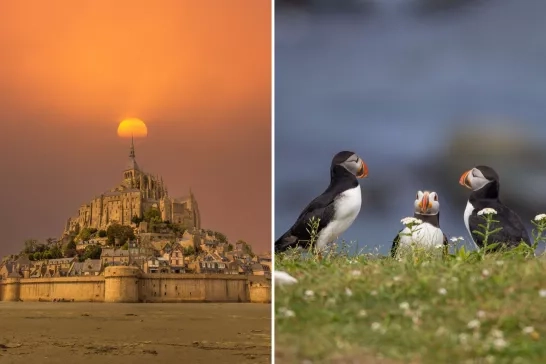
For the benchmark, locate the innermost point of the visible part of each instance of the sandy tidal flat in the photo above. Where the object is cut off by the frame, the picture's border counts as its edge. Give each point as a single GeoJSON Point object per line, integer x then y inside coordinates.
{"type": "Point", "coordinates": [49, 333]}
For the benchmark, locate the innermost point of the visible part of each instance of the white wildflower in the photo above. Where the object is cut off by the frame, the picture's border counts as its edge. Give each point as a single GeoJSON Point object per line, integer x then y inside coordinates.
{"type": "Point", "coordinates": [497, 334]}
{"type": "Point", "coordinates": [480, 314]}
{"type": "Point", "coordinates": [499, 343]}
{"type": "Point", "coordinates": [441, 331]}
{"type": "Point", "coordinates": [540, 217]}
{"type": "Point", "coordinates": [356, 273]}
{"type": "Point", "coordinates": [373, 293]}
{"type": "Point", "coordinates": [487, 211]}
{"type": "Point", "coordinates": [410, 221]}
{"type": "Point", "coordinates": [456, 239]}
{"type": "Point", "coordinates": [404, 306]}
{"type": "Point", "coordinates": [500, 263]}
{"type": "Point", "coordinates": [362, 313]}
{"type": "Point", "coordinates": [309, 294]}
{"type": "Point", "coordinates": [348, 292]}
{"type": "Point", "coordinates": [474, 324]}
{"type": "Point", "coordinates": [485, 273]}
{"type": "Point", "coordinates": [528, 330]}
{"type": "Point", "coordinates": [376, 326]}
{"type": "Point", "coordinates": [442, 291]}
{"type": "Point", "coordinates": [285, 312]}
{"type": "Point", "coordinates": [396, 278]}
{"type": "Point", "coordinates": [542, 293]}
{"type": "Point", "coordinates": [439, 246]}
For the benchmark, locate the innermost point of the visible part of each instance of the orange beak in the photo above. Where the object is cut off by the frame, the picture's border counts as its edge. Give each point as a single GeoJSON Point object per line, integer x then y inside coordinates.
{"type": "Point", "coordinates": [425, 203]}
{"type": "Point", "coordinates": [363, 171]}
{"type": "Point", "coordinates": [463, 181]}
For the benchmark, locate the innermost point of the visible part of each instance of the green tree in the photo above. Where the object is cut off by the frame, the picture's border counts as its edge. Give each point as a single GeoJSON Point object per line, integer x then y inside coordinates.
{"type": "Point", "coordinates": [121, 232]}
{"type": "Point", "coordinates": [125, 246]}
{"type": "Point", "coordinates": [85, 234]}
{"type": "Point", "coordinates": [221, 238]}
{"type": "Point", "coordinates": [230, 247]}
{"type": "Point", "coordinates": [190, 250]}
{"type": "Point", "coordinates": [152, 214]}
{"type": "Point", "coordinates": [47, 255]}
{"type": "Point", "coordinates": [246, 247]}
{"type": "Point", "coordinates": [102, 234]}
{"type": "Point", "coordinates": [30, 246]}
{"type": "Point", "coordinates": [210, 233]}
{"type": "Point", "coordinates": [91, 252]}
{"type": "Point", "coordinates": [71, 245]}
{"type": "Point", "coordinates": [69, 253]}
{"type": "Point", "coordinates": [55, 252]}
{"type": "Point", "coordinates": [178, 229]}
{"type": "Point", "coordinates": [136, 220]}
{"type": "Point", "coordinates": [37, 256]}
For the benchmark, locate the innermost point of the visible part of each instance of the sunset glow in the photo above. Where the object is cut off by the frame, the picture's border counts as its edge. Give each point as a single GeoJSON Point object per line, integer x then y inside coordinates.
{"type": "Point", "coordinates": [196, 73]}
{"type": "Point", "coordinates": [132, 127]}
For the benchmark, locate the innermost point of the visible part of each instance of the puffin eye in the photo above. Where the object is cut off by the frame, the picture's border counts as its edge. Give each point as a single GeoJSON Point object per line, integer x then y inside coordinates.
{"type": "Point", "coordinates": [417, 196]}
{"type": "Point", "coordinates": [435, 197]}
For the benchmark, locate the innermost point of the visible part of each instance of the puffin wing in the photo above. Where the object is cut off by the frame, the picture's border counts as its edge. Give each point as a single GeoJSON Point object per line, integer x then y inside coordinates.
{"type": "Point", "coordinates": [512, 233]}
{"type": "Point", "coordinates": [446, 246]}
{"type": "Point", "coordinates": [395, 244]}
{"type": "Point", "coordinates": [321, 208]}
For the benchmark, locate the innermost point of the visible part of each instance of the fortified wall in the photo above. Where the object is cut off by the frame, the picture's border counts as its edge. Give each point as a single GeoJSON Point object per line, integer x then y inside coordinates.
{"type": "Point", "coordinates": [129, 284]}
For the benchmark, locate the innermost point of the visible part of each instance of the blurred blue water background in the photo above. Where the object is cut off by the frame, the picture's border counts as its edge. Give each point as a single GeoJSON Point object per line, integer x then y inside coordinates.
{"type": "Point", "coordinates": [420, 94]}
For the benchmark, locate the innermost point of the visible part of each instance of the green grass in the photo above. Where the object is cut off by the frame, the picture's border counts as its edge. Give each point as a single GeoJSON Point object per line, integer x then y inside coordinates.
{"type": "Point", "coordinates": [469, 308]}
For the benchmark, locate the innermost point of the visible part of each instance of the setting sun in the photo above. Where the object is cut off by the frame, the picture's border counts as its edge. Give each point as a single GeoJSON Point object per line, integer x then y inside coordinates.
{"type": "Point", "coordinates": [132, 127]}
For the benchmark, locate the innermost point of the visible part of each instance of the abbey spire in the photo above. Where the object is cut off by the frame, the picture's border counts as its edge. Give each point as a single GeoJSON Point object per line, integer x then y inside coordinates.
{"type": "Point", "coordinates": [132, 165]}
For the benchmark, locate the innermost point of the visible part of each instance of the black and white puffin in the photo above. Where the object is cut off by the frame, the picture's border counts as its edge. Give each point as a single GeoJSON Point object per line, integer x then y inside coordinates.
{"type": "Point", "coordinates": [336, 208]}
{"type": "Point", "coordinates": [484, 183]}
{"type": "Point", "coordinates": [427, 234]}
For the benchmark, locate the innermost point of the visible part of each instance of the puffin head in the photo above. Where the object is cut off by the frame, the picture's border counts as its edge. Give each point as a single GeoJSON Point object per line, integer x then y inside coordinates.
{"type": "Point", "coordinates": [351, 162]}
{"type": "Point", "coordinates": [426, 203]}
{"type": "Point", "coordinates": [477, 177]}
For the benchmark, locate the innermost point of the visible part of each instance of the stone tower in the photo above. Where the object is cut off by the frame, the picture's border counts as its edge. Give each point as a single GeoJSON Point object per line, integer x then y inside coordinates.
{"type": "Point", "coordinates": [131, 173]}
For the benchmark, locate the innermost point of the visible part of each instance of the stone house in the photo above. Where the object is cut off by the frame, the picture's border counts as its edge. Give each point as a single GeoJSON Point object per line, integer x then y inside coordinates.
{"type": "Point", "coordinates": [156, 265]}
{"type": "Point", "coordinates": [39, 270]}
{"type": "Point", "coordinates": [175, 257]}
{"type": "Point", "coordinates": [90, 267]}
{"type": "Point", "coordinates": [9, 270]}
{"type": "Point", "coordinates": [60, 267]}
{"type": "Point", "coordinates": [213, 263]}
{"type": "Point", "coordinates": [111, 256]}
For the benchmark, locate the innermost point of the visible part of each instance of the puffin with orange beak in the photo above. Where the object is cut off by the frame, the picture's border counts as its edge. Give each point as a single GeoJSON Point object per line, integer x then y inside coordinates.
{"type": "Point", "coordinates": [484, 183]}
{"type": "Point", "coordinates": [426, 234]}
{"type": "Point", "coordinates": [335, 209]}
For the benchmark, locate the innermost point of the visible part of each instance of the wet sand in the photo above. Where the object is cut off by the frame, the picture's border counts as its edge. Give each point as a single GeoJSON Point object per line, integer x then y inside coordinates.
{"type": "Point", "coordinates": [115, 333]}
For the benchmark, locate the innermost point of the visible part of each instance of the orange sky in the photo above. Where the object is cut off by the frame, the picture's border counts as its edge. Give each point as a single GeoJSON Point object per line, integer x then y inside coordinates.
{"type": "Point", "coordinates": [197, 72]}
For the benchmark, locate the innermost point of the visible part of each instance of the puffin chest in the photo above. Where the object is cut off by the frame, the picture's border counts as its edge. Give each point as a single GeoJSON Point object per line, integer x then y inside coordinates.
{"type": "Point", "coordinates": [424, 235]}
{"type": "Point", "coordinates": [347, 205]}
{"type": "Point", "coordinates": [346, 208]}
{"type": "Point", "coordinates": [467, 213]}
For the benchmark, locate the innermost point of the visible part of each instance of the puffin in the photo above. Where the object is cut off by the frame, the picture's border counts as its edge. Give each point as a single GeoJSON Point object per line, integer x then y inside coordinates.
{"type": "Point", "coordinates": [336, 208]}
{"type": "Point", "coordinates": [427, 234]}
{"type": "Point", "coordinates": [484, 183]}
